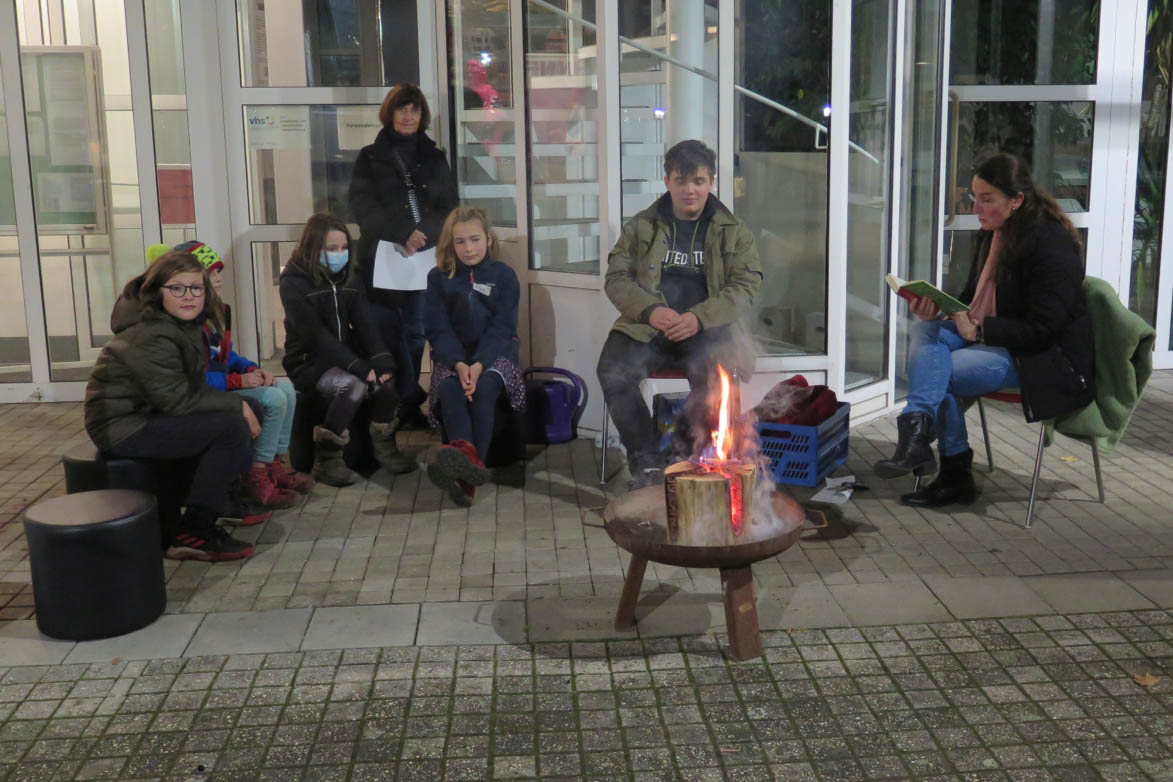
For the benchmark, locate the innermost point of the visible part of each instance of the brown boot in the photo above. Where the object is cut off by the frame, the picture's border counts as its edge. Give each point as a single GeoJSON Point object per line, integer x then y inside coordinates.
{"type": "Point", "coordinates": [387, 452]}
{"type": "Point", "coordinates": [329, 468]}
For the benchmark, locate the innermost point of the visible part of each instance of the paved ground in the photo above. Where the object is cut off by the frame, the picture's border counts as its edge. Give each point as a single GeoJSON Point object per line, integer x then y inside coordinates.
{"type": "Point", "coordinates": [380, 630]}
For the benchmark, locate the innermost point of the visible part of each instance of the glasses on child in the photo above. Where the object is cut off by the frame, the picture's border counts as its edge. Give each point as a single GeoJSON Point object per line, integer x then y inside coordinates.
{"type": "Point", "coordinates": [179, 291]}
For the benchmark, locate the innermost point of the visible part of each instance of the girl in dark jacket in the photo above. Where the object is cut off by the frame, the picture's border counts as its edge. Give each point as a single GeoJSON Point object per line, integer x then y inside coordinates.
{"type": "Point", "coordinates": [471, 321]}
{"type": "Point", "coordinates": [147, 399]}
{"type": "Point", "coordinates": [333, 350]}
{"type": "Point", "coordinates": [1028, 327]}
{"type": "Point", "coordinates": [400, 191]}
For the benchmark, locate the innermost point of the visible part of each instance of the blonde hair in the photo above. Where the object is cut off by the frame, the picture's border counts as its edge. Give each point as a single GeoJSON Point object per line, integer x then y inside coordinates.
{"type": "Point", "coordinates": [445, 251]}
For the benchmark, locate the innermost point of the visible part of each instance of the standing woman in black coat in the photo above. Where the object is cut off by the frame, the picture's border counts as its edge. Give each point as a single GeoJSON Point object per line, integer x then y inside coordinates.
{"type": "Point", "coordinates": [401, 190]}
{"type": "Point", "coordinates": [1028, 326]}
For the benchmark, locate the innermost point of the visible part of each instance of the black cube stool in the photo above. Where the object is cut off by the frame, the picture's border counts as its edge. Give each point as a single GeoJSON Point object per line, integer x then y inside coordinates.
{"type": "Point", "coordinates": [87, 469]}
{"type": "Point", "coordinates": [95, 563]}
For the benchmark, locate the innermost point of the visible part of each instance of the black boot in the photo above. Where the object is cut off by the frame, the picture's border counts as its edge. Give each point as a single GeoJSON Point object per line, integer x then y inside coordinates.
{"type": "Point", "coordinates": [914, 453]}
{"type": "Point", "coordinates": [953, 484]}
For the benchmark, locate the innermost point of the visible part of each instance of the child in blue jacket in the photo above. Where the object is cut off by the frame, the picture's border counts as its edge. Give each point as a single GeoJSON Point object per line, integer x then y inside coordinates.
{"type": "Point", "coordinates": [270, 480]}
{"type": "Point", "coordinates": [470, 317]}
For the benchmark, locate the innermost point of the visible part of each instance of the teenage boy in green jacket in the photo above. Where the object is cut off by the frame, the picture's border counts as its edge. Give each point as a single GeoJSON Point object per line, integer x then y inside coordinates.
{"type": "Point", "coordinates": [682, 274]}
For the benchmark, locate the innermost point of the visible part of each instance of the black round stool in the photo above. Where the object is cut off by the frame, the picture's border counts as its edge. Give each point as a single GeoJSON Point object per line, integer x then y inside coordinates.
{"type": "Point", "coordinates": [87, 469]}
{"type": "Point", "coordinates": [95, 562]}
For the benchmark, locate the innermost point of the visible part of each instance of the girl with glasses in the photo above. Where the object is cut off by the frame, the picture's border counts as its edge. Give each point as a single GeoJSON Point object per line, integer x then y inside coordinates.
{"type": "Point", "coordinates": [147, 399]}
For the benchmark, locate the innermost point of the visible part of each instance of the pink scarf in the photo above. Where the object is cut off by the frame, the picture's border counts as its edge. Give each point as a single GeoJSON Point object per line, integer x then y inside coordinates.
{"type": "Point", "coordinates": [984, 304]}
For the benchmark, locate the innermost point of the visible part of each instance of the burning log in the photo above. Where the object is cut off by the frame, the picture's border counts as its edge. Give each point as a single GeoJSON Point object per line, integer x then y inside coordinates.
{"type": "Point", "coordinates": [709, 505]}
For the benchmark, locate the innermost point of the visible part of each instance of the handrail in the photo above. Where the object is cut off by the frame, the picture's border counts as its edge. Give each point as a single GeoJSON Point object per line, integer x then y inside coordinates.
{"type": "Point", "coordinates": [705, 74]}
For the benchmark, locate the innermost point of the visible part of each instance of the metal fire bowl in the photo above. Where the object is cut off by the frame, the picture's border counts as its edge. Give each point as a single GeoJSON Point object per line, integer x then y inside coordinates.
{"type": "Point", "coordinates": [637, 523]}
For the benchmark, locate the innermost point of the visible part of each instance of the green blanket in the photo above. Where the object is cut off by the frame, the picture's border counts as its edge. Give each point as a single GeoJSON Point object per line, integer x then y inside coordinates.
{"type": "Point", "coordinates": [1124, 361]}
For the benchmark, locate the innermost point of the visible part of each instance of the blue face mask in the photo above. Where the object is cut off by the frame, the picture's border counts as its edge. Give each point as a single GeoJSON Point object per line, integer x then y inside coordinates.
{"type": "Point", "coordinates": [335, 262]}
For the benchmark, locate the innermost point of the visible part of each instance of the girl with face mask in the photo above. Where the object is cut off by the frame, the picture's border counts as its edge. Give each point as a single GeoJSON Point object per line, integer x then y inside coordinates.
{"type": "Point", "coordinates": [334, 352]}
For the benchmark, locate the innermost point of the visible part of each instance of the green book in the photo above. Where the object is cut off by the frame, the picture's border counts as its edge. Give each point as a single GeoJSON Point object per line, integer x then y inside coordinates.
{"type": "Point", "coordinates": [910, 290]}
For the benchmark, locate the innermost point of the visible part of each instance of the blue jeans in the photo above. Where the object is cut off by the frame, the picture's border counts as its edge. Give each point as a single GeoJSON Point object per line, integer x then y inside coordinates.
{"type": "Point", "coordinates": [278, 400]}
{"type": "Point", "coordinates": [944, 369]}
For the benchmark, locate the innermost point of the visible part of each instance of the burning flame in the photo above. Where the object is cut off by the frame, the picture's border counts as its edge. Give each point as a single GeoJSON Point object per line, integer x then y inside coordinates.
{"type": "Point", "coordinates": [721, 438]}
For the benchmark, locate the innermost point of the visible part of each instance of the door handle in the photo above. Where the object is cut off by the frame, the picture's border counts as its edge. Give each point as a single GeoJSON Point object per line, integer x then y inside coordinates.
{"type": "Point", "coordinates": [951, 180]}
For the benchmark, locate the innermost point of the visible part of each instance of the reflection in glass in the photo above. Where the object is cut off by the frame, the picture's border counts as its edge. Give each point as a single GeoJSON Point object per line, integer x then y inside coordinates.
{"type": "Point", "coordinates": [82, 151]}
{"type": "Point", "coordinates": [327, 43]}
{"type": "Point", "coordinates": [14, 341]}
{"type": "Point", "coordinates": [1153, 163]}
{"type": "Point", "coordinates": [300, 159]}
{"type": "Point", "coordinates": [663, 101]}
{"type": "Point", "coordinates": [480, 83]}
{"type": "Point", "coordinates": [869, 198]}
{"type": "Point", "coordinates": [1055, 140]}
{"type": "Point", "coordinates": [169, 99]}
{"type": "Point", "coordinates": [920, 172]}
{"type": "Point", "coordinates": [783, 53]}
{"type": "Point", "coordinates": [1024, 41]}
{"type": "Point", "coordinates": [563, 164]}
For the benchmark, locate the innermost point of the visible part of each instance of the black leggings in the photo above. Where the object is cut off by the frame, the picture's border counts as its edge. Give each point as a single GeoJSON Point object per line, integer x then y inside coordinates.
{"type": "Point", "coordinates": [345, 392]}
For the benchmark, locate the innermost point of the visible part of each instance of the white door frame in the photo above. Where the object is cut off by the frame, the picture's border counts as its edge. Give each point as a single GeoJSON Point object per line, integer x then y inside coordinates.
{"type": "Point", "coordinates": [215, 93]}
{"type": "Point", "coordinates": [42, 387]}
{"type": "Point", "coordinates": [1115, 138]}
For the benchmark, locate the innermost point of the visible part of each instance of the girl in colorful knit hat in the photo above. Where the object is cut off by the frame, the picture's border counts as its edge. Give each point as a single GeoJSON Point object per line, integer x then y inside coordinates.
{"type": "Point", "coordinates": [271, 480]}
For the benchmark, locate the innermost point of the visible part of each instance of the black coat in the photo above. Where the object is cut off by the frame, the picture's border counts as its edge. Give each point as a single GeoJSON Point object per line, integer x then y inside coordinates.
{"type": "Point", "coordinates": [378, 196]}
{"type": "Point", "coordinates": [1043, 321]}
{"type": "Point", "coordinates": [328, 325]}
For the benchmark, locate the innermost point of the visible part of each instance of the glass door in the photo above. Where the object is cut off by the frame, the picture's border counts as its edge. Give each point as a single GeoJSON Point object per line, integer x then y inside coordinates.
{"type": "Point", "coordinates": [1024, 78]}
{"type": "Point", "coordinates": [295, 118]}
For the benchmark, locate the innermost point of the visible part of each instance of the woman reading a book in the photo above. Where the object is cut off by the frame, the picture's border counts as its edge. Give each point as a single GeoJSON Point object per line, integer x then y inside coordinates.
{"type": "Point", "coordinates": [1027, 326]}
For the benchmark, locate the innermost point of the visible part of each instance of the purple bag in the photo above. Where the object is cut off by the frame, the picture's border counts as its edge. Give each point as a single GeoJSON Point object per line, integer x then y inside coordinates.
{"type": "Point", "coordinates": [553, 406]}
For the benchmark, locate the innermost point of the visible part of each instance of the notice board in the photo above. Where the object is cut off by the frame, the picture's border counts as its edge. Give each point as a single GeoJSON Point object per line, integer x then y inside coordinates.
{"type": "Point", "coordinates": [66, 122]}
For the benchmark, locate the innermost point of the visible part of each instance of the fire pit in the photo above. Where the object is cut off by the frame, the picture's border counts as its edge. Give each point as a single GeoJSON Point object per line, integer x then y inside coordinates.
{"type": "Point", "coordinates": [637, 523]}
{"type": "Point", "coordinates": [710, 512]}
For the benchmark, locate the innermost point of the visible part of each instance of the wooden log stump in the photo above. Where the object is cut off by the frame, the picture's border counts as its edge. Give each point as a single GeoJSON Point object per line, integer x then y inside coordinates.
{"type": "Point", "coordinates": [707, 507]}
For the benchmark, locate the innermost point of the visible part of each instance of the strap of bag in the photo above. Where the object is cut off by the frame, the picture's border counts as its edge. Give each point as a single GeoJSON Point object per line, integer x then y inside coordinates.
{"type": "Point", "coordinates": [412, 199]}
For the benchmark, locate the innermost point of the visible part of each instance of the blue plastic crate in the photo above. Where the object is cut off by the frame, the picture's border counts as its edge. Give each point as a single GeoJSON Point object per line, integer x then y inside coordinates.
{"type": "Point", "coordinates": [804, 455]}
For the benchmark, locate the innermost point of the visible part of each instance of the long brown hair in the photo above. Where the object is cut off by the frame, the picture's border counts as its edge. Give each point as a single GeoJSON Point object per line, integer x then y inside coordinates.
{"type": "Point", "coordinates": [147, 288]}
{"type": "Point", "coordinates": [1011, 176]}
{"type": "Point", "coordinates": [445, 249]}
{"type": "Point", "coordinates": [308, 252]}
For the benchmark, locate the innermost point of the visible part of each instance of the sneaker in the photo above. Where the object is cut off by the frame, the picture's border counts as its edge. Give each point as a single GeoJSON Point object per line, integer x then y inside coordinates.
{"type": "Point", "coordinates": [245, 514]}
{"type": "Point", "coordinates": [463, 493]}
{"type": "Point", "coordinates": [285, 478]}
{"type": "Point", "coordinates": [210, 544]}
{"type": "Point", "coordinates": [257, 487]}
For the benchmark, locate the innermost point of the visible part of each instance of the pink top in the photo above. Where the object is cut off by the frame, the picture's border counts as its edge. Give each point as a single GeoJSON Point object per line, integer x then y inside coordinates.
{"type": "Point", "coordinates": [984, 304]}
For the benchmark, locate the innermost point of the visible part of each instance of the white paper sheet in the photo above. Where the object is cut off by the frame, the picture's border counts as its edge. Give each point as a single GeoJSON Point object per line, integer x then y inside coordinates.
{"type": "Point", "coordinates": [395, 270]}
{"type": "Point", "coordinates": [834, 492]}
